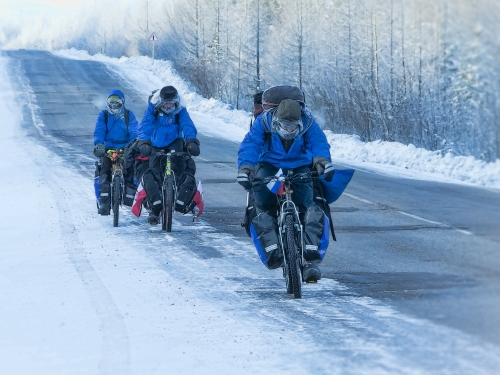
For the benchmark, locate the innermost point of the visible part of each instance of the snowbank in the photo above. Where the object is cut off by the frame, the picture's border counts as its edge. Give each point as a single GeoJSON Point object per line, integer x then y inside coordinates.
{"type": "Point", "coordinates": [390, 158]}
{"type": "Point", "coordinates": [411, 162]}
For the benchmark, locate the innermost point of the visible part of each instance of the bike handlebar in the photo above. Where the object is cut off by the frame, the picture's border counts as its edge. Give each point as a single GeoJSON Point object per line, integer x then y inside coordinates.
{"type": "Point", "coordinates": [286, 178]}
{"type": "Point", "coordinates": [163, 153]}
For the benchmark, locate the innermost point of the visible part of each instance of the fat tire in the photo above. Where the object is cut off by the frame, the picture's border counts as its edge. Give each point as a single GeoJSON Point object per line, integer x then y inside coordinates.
{"type": "Point", "coordinates": [292, 253]}
{"type": "Point", "coordinates": [168, 205]}
{"type": "Point", "coordinates": [116, 198]}
{"type": "Point", "coordinates": [288, 278]}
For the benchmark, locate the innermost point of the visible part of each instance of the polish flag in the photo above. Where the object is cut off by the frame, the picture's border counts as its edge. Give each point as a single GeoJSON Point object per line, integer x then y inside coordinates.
{"type": "Point", "coordinates": [140, 195]}
{"type": "Point", "coordinates": [276, 186]}
{"type": "Point", "coordinates": [198, 198]}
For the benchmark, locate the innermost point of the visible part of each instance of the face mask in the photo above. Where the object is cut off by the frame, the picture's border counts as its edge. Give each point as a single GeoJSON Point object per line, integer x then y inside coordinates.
{"type": "Point", "coordinates": [285, 134]}
{"type": "Point", "coordinates": [114, 104]}
{"type": "Point", "coordinates": [287, 129]}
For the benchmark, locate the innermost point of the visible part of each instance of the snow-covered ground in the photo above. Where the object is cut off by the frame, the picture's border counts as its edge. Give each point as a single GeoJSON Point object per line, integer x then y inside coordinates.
{"type": "Point", "coordinates": [390, 158]}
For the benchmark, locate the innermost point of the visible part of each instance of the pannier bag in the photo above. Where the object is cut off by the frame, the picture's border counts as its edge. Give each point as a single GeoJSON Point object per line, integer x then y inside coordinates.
{"type": "Point", "coordinates": [185, 192]}
{"type": "Point", "coordinates": [250, 213]}
{"type": "Point", "coordinates": [320, 200]}
{"type": "Point", "coordinates": [265, 236]}
{"type": "Point", "coordinates": [316, 233]}
{"type": "Point", "coordinates": [96, 183]}
{"type": "Point", "coordinates": [128, 200]}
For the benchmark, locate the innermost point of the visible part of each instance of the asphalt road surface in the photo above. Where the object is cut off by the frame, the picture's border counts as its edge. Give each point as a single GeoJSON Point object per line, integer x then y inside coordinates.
{"type": "Point", "coordinates": [430, 250]}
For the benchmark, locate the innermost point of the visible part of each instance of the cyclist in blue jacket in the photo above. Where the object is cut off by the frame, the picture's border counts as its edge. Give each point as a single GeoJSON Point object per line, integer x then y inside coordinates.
{"type": "Point", "coordinates": [166, 126]}
{"type": "Point", "coordinates": [286, 137]}
{"type": "Point", "coordinates": [115, 127]}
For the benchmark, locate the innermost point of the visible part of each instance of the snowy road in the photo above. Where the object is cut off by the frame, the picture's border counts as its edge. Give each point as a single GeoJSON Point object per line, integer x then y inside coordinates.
{"type": "Point", "coordinates": [412, 286]}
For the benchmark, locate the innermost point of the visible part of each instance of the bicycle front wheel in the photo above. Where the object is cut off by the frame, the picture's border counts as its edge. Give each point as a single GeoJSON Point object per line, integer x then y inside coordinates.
{"type": "Point", "coordinates": [168, 204]}
{"type": "Point", "coordinates": [116, 196]}
{"type": "Point", "coordinates": [293, 259]}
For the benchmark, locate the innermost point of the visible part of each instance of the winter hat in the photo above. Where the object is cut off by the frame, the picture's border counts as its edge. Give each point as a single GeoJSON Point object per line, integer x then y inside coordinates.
{"type": "Point", "coordinates": [287, 120]}
{"type": "Point", "coordinates": [257, 98]}
{"type": "Point", "coordinates": [288, 111]}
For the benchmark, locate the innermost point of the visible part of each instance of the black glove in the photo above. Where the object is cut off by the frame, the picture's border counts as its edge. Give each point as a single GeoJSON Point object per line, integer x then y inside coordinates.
{"type": "Point", "coordinates": [245, 175]}
{"type": "Point", "coordinates": [99, 150]}
{"type": "Point", "coordinates": [193, 146]}
{"type": "Point", "coordinates": [324, 167]}
{"type": "Point", "coordinates": [144, 148]}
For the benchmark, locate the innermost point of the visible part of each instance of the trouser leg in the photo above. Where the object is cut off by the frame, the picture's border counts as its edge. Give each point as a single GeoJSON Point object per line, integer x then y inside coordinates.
{"type": "Point", "coordinates": [265, 200]}
{"type": "Point", "coordinates": [152, 179]}
{"type": "Point", "coordinates": [302, 194]}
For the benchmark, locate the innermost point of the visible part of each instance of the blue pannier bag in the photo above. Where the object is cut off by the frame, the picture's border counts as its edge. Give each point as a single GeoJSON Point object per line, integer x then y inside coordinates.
{"type": "Point", "coordinates": [96, 189]}
{"type": "Point", "coordinates": [316, 233]}
{"type": "Point", "coordinates": [265, 236]}
{"type": "Point", "coordinates": [96, 183]}
{"type": "Point", "coordinates": [334, 189]}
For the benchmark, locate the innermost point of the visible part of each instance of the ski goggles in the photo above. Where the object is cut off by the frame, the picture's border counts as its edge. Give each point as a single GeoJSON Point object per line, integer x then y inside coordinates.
{"type": "Point", "coordinates": [289, 125]}
{"type": "Point", "coordinates": [114, 99]}
{"type": "Point", "coordinates": [169, 104]}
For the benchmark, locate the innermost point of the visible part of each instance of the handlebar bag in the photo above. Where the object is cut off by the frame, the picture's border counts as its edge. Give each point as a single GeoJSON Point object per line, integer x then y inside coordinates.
{"type": "Point", "coordinates": [265, 236]}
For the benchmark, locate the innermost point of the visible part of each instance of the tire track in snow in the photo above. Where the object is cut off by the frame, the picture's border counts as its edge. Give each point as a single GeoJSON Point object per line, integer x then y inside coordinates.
{"type": "Point", "coordinates": [115, 350]}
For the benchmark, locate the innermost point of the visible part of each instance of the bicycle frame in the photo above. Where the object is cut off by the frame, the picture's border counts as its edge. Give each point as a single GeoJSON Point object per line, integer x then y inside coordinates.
{"type": "Point", "coordinates": [287, 207]}
{"type": "Point", "coordinates": [117, 159]}
{"type": "Point", "coordinates": [168, 171]}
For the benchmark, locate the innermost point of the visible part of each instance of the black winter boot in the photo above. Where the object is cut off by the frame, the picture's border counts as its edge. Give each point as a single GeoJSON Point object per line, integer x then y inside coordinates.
{"type": "Point", "coordinates": [153, 219]}
{"type": "Point", "coordinates": [104, 210]}
{"type": "Point", "coordinates": [311, 272]}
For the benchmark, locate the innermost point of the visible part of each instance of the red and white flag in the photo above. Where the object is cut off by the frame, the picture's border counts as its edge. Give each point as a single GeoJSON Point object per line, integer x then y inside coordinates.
{"type": "Point", "coordinates": [198, 198]}
{"type": "Point", "coordinates": [140, 195]}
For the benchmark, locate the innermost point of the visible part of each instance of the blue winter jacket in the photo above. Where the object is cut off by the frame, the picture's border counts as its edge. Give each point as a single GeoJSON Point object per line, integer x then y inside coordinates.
{"type": "Point", "coordinates": [162, 130]}
{"type": "Point", "coordinates": [116, 134]}
{"type": "Point", "coordinates": [308, 144]}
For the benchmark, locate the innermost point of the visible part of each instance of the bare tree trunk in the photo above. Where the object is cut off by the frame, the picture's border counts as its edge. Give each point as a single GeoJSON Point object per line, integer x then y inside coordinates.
{"type": "Point", "coordinates": [197, 38]}
{"type": "Point", "coordinates": [374, 74]}
{"type": "Point", "coordinates": [403, 47]}
{"type": "Point", "coordinates": [258, 47]}
{"type": "Point", "coordinates": [300, 41]}
{"type": "Point", "coordinates": [350, 44]}
{"type": "Point", "coordinates": [391, 74]}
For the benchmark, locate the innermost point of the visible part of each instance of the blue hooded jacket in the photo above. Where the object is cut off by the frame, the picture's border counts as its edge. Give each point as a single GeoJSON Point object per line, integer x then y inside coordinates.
{"type": "Point", "coordinates": [116, 134]}
{"type": "Point", "coordinates": [162, 130]}
{"type": "Point", "coordinates": [308, 144]}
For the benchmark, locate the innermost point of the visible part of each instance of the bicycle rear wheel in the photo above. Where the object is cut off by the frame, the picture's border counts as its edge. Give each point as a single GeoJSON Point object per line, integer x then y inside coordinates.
{"type": "Point", "coordinates": [116, 196]}
{"type": "Point", "coordinates": [168, 204]}
{"type": "Point", "coordinates": [293, 261]}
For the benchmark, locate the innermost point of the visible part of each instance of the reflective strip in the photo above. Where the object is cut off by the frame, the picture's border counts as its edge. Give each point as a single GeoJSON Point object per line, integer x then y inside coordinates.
{"type": "Point", "coordinates": [179, 202]}
{"type": "Point", "coordinates": [321, 198]}
{"type": "Point", "coordinates": [311, 247]}
{"type": "Point", "coordinates": [130, 196]}
{"type": "Point", "coordinates": [104, 194]}
{"type": "Point", "coordinates": [250, 207]}
{"type": "Point", "coordinates": [271, 247]}
{"type": "Point", "coordinates": [156, 202]}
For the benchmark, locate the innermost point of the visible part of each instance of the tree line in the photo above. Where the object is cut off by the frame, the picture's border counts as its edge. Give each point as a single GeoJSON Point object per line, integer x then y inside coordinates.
{"type": "Point", "coordinates": [413, 71]}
